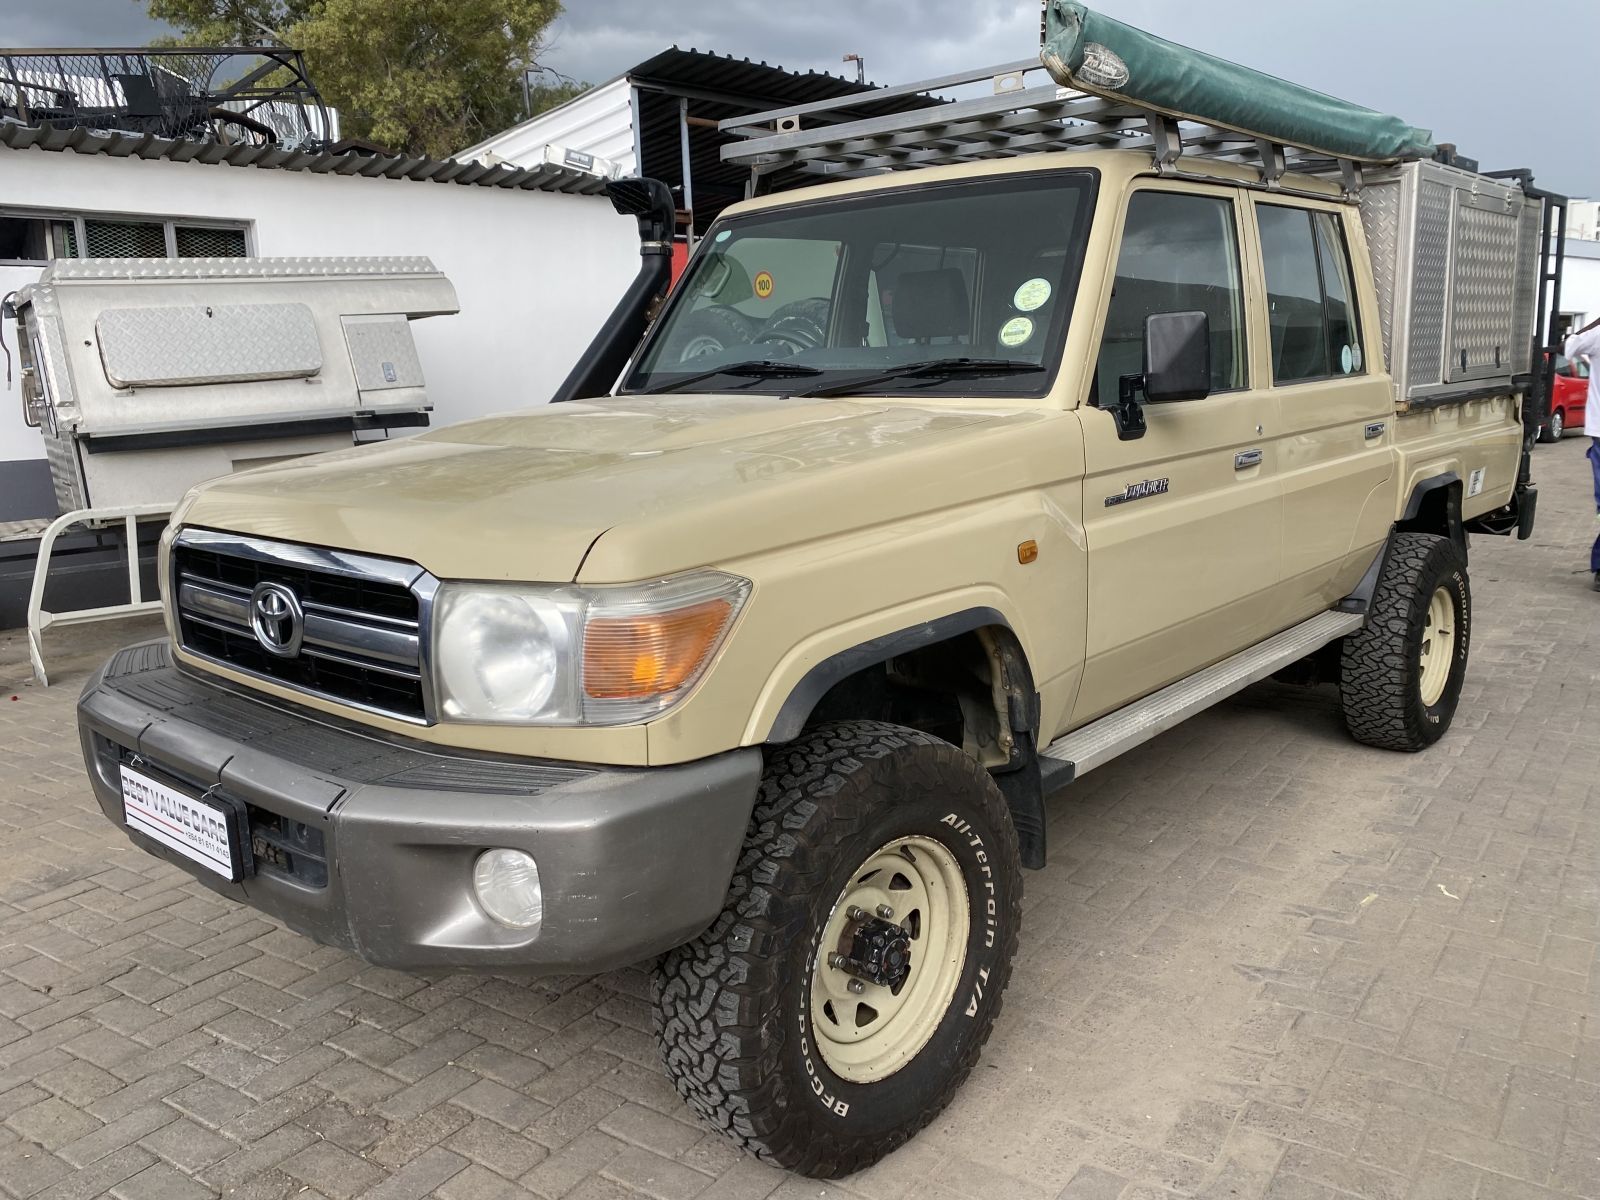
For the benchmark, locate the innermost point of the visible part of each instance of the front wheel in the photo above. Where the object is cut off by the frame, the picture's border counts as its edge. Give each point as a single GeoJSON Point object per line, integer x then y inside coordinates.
{"type": "Point", "coordinates": [844, 993]}
{"type": "Point", "coordinates": [1554, 428]}
{"type": "Point", "coordinates": [1401, 674]}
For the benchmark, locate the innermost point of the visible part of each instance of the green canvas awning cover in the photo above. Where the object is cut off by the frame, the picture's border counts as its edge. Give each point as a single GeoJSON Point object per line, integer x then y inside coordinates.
{"type": "Point", "coordinates": [1093, 53]}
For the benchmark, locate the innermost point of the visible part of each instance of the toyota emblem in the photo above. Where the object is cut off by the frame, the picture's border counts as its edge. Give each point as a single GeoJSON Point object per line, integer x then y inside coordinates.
{"type": "Point", "coordinates": [276, 619]}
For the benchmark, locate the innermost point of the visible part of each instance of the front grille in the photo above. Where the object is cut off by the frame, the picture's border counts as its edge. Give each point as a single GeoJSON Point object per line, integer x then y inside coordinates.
{"type": "Point", "coordinates": [362, 632]}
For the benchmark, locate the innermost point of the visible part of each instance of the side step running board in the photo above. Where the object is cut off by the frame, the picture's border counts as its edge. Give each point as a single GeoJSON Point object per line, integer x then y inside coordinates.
{"type": "Point", "coordinates": [1100, 741]}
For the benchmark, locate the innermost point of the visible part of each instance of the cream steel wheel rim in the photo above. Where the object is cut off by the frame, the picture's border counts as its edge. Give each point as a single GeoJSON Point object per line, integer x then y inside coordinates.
{"type": "Point", "coordinates": [1438, 650]}
{"type": "Point", "coordinates": [867, 1036]}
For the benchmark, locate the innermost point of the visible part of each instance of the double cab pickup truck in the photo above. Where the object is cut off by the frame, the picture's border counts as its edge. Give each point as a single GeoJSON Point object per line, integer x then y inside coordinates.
{"type": "Point", "coordinates": [932, 485]}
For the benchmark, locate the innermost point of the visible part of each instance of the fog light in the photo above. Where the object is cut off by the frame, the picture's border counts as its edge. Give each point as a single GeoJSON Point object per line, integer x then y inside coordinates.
{"type": "Point", "coordinates": [507, 887]}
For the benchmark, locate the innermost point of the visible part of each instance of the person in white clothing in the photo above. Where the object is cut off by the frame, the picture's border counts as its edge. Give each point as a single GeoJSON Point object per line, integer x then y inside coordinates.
{"type": "Point", "coordinates": [1586, 344]}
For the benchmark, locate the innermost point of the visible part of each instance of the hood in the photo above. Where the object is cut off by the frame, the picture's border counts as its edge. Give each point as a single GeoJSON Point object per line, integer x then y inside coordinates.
{"type": "Point", "coordinates": [527, 496]}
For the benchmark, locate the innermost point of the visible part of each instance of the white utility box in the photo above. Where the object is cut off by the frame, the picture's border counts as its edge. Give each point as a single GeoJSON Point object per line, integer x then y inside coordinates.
{"type": "Point", "coordinates": [147, 376]}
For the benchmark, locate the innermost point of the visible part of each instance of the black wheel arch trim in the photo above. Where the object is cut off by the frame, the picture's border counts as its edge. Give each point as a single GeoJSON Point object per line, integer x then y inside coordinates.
{"type": "Point", "coordinates": [1422, 487]}
{"type": "Point", "coordinates": [1450, 484]}
{"type": "Point", "coordinates": [1020, 780]}
{"type": "Point", "coordinates": [814, 684]}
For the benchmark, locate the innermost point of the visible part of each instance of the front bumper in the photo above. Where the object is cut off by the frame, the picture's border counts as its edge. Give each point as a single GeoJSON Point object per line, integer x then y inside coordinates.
{"type": "Point", "coordinates": [368, 843]}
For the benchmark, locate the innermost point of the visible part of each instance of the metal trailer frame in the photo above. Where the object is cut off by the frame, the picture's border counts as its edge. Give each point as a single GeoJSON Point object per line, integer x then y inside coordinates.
{"type": "Point", "coordinates": [41, 618]}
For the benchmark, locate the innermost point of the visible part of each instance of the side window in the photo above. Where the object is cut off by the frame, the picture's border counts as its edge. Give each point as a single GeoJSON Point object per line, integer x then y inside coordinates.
{"type": "Point", "coordinates": [1310, 296]}
{"type": "Point", "coordinates": [1179, 253]}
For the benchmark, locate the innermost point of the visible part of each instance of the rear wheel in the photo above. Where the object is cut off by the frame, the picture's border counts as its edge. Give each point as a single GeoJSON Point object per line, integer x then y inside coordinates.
{"type": "Point", "coordinates": [846, 990]}
{"type": "Point", "coordinates": [1401, 675]}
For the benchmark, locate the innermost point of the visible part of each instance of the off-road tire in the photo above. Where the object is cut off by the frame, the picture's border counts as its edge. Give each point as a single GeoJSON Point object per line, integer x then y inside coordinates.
{"type": "Point", "coordinates": [1380, 674]}
{"type": "Point", "coordinates": [732, 1007]}
{"type": "Point", "coordinates": [711, 330]}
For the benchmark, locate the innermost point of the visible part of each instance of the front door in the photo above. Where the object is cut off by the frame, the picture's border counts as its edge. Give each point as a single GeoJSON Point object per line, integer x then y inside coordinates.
{"type": "Point", "coordinates": [1184, 525]}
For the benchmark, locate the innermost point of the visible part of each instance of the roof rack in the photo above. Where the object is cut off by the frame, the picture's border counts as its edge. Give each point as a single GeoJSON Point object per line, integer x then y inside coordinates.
{"type": "Point", "coordinates": [1021, 116]}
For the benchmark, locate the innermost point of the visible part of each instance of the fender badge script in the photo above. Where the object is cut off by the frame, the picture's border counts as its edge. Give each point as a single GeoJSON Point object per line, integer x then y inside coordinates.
{"type": "Point", "coordinates": [1138, 491]}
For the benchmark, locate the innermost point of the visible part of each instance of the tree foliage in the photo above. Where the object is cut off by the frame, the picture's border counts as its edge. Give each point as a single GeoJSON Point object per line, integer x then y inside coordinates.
{"type": "Point", "coordinates": [416, 76]}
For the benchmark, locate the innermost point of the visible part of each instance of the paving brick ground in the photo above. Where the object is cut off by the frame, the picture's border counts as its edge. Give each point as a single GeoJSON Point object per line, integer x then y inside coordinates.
{"type": "Point", "coordinates": [1263, 962]}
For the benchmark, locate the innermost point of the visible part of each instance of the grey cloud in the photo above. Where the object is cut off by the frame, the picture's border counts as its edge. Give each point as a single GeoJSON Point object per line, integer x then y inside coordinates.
{"type": "Point", "coordinates": [78, 23]}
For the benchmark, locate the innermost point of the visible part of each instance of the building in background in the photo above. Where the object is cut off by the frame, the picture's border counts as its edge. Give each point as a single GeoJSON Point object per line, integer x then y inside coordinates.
{"type": "Point", "coordinates": [538, 257]}
{"type": "Point", "coordinates": [660, 119]}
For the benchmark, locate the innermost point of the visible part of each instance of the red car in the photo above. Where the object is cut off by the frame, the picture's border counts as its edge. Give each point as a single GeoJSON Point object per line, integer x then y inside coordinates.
{"type": "Point", "coordinates": [1567, 398]}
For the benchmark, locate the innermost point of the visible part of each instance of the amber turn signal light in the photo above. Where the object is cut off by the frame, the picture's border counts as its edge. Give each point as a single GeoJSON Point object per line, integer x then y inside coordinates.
{"type": "Point", "coordinates": [638, 656]}
{"type": "Point", "coordinates": [1027, 552]}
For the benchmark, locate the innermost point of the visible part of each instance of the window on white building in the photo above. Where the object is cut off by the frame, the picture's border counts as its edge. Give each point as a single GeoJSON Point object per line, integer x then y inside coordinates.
{"type": "Point", "coordinates": [38, 237]}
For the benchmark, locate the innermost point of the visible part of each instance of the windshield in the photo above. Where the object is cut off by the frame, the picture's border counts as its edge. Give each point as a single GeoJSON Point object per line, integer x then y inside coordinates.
{"type": "Point", "coordinates": [968, 285]}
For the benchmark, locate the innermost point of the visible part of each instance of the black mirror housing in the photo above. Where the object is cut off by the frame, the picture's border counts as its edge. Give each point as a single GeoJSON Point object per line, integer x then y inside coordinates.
{"type": "Point", "coordinates": [1177, 356]}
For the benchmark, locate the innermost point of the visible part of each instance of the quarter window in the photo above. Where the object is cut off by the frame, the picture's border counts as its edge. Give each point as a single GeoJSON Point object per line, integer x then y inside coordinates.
{"type": "Point", "coordinates": [1179, 254]}
{"type": "Point", "coordinates": [1310, 296]}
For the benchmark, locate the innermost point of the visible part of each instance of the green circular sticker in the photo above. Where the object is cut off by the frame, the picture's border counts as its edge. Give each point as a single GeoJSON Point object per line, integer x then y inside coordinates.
{"type": "Point", "coordinates": [1031, 295]}
{"type": "Point", "coordinates": [1016, 331]}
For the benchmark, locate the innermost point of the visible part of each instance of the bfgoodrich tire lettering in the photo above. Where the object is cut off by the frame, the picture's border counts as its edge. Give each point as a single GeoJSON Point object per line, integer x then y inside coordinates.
{"type": "Point", "coordinates": [1390, 699]}
{"type": "Point", "coordinates": [733, 1007]}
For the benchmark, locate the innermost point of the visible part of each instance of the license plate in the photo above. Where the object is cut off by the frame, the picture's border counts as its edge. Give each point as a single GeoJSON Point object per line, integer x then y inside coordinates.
{"type": "Point", "coordinates": [205, 833]}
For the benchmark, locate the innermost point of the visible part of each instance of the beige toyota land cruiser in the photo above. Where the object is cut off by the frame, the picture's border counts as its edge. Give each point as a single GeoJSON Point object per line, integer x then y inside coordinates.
{"type": "Point", "coordinates": [925, 492]}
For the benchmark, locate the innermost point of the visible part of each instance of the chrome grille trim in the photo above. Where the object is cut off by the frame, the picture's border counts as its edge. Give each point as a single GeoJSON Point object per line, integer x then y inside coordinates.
{"type": "Point", "coordinates": [363, 646]}
{"type": "Point", "coordinates": [350, 637]}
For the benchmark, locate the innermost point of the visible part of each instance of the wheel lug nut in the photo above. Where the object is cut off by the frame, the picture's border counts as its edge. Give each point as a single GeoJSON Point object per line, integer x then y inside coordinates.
{"type": "Point", "coordinates": [885, 912]}
{"type": "Point", "coordinates": [856, 913]}
{"type": "Point", "coordinates": [837, 960]}
{"type": "Point", "coordinates": [856, 987]}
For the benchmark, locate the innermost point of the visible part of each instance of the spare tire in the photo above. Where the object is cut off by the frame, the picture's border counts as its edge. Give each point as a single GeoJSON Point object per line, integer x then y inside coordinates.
{"type": "Point", "coordinates": [709, 331]}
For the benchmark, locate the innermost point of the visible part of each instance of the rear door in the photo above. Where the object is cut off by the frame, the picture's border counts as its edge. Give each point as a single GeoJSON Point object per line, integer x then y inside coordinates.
{"type": "Point", "coordinates": [1335, 406]}
{"type": "Point", "coordinates": [1184, 525]}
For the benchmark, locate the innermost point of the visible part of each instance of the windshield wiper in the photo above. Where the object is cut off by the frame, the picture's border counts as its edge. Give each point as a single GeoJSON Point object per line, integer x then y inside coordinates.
{"type": "Point", "coordinates": [931, 369]}
{"type": "Point", "coordinates": [756, 368]}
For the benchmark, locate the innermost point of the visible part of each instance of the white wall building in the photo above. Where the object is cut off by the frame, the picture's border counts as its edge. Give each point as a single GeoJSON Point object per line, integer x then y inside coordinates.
{"type": "Point", "coordinates": [1580, 283]}
{"type": "Point", "coordinates": [1583, 220]}
{"type": "Point", "coordinates": [536, 269]}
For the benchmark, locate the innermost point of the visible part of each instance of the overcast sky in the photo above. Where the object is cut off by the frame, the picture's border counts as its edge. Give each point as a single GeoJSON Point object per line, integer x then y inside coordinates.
{"type": "Point", "coordinates": [1511, 82]}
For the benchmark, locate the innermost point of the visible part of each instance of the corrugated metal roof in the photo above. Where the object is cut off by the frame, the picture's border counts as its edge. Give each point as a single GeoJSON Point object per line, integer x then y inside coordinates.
{"type": "Point", "coordinates": [599, 121]}
{"type": "Point", "coordinates": [716, 86]}
{"type": "Point", "coordinates": [541, 178]}
{"type": "Point", "coordinates": [762, 84]}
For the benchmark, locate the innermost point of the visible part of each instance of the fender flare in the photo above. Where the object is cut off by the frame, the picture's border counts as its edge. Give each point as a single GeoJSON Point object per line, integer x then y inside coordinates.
{"type": "Point", "coordinates": [1422, 487]}
{"type": "Point", "coordinates": [1020, 781]}
{"type": "Point", "coordinates": [814, 684]}
{"type": "Point", "coordinates": [1450, 483]}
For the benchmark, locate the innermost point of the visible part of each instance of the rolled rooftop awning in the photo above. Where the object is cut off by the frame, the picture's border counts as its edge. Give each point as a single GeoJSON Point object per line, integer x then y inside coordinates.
{"type": "Point", "coordinates": [1090, 52]}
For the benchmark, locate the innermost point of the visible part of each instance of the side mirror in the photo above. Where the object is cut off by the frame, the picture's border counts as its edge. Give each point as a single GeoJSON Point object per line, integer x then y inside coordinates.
{"type": "Point", "coordinates": [1177, 356]}
{"type": "Point", "coordinates": [1177, 366]}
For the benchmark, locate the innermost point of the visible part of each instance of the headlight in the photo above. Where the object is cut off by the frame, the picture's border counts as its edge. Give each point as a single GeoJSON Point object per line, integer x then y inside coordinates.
{"type": "Point", "coordinates": [500, 654]}
{"type": "Point", "coordinates": [570, 656]}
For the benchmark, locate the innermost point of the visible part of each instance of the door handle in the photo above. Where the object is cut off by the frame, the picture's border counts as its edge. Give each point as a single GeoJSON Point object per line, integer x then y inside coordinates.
{"type": "Point", "coordinates": [1375, 429]}
{"type": "Point", "coordinates": [1246, 459]}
